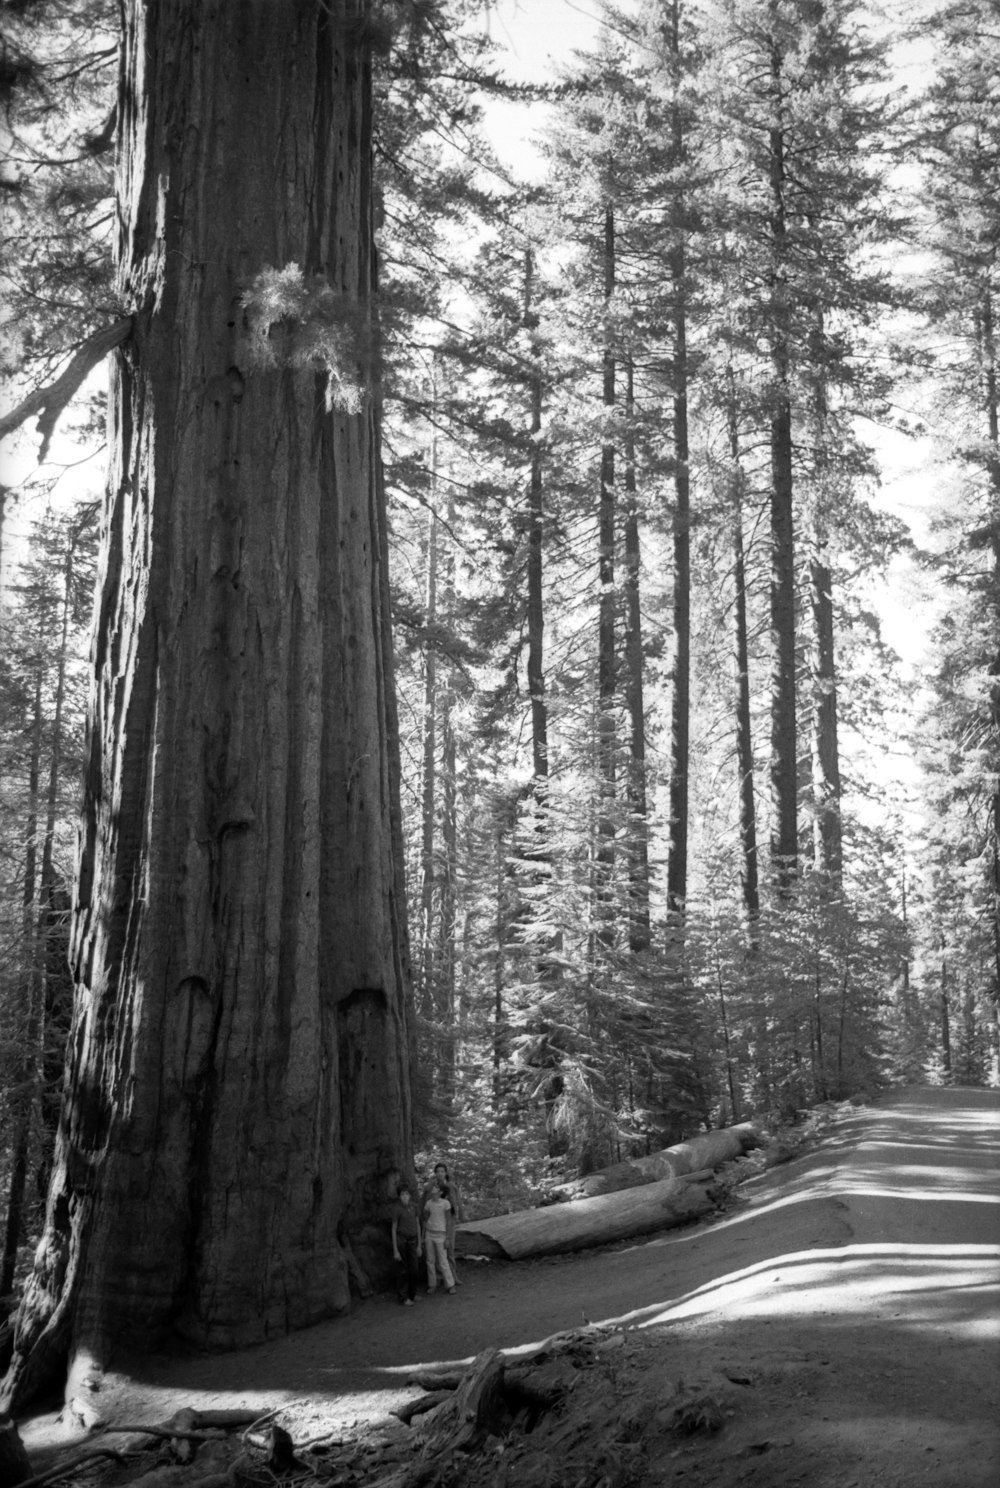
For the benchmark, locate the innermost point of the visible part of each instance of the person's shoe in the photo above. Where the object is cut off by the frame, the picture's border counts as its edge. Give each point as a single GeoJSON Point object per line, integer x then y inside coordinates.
{"type": "Point", "coordinates": [408, 1302]}
{"type": "Point", "coordinates": [449, 1290]}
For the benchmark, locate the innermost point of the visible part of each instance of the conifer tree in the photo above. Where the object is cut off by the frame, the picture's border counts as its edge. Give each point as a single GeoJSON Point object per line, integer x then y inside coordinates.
{"type": "Point", "coordinates": [793, 103]}
{"type": "Point", "coordinates": [957, 136]}
{"type": "Point", "coordinates": [57, 79]}
{"type": "Point", "coordinates": [47, 604]}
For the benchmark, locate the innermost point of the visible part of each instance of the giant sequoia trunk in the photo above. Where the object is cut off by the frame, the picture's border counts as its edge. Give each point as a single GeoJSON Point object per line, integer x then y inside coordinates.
{"type": "Point", "coordinates": [236, 1099]}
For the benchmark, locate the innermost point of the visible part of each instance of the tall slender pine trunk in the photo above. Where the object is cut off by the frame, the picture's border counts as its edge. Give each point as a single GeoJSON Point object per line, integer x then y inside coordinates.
{"type": "Point", "coordinates": [536, 549]}
{"type": "Point", "coordinates": [784, 753]}
{"type": "Point", "coordinates": [749, 869]}
{"type": "Point", "coordinates": [638, 816]}
{"type": "Point", "coordinates": [827, 829]}
{"type": "Point", "coordinates": [680, 704]}
{"type": "Point", "coordinates": [447, 856]}
{"type": "Point", "coordinates": [607, 740]}
{"type": "Point", "coordinates": [539, 846]}
{"type": "Point", "coordinates": [827, 846]}
{"type": "Point", "coordinates": [988, 353]}
{"type": "Point", "coordinates": [945, 1012]}
{"type": "Point", "coordinates": [428, 792]}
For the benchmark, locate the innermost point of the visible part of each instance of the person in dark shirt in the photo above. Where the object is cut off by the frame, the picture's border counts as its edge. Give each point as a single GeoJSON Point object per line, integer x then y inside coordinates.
{"type": "Point", "coordinates": [406, 1247]}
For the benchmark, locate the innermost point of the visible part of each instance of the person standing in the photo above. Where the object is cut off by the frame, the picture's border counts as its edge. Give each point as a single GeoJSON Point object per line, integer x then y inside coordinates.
{"type": "Point", "coordinates": [406, 1247]}
{"type": "Point", "coordinates": [436, 1210]}
{"type": "Point", "coordinates": [450, 1191]}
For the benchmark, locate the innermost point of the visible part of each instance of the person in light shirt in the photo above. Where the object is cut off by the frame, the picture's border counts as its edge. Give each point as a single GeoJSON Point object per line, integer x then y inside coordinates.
{"type": "Point", "coordinates": [437, 1210]}
{"type": "Point", "coordinates": [449, 1190]}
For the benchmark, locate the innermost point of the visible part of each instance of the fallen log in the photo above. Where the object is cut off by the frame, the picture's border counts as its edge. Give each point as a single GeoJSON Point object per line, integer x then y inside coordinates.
{"type": "Point", "coordinates": [583, 1222]}
{"type": "Point", "coordinates": [708, 1150]}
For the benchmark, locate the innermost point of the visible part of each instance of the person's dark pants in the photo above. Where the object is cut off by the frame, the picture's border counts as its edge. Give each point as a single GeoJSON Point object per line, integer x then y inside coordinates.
{"type": "Point", "coordinates": [407, 1270]}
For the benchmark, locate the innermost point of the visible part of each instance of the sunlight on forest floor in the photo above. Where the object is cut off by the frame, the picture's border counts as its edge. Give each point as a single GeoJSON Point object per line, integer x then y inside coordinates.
{"type": "Point", "coordinates": [866, 1281]}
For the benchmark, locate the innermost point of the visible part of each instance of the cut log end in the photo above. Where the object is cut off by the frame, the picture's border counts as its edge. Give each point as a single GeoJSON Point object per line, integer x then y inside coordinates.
{"type": "Point", "coordinates": [471, 1240]}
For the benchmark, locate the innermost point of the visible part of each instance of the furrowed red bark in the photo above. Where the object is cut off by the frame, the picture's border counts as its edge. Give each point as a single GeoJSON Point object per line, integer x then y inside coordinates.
{"type": "Point", "coordinates": [237, 1089]}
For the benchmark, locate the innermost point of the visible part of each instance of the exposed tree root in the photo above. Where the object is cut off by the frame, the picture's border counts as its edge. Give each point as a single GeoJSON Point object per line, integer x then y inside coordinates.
{"type": "Point", "coordinates": [568, 1415]}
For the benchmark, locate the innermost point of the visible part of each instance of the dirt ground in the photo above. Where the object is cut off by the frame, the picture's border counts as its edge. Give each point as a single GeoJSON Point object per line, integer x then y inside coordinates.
{"type": "Point", "coordinates": [836, 1327]}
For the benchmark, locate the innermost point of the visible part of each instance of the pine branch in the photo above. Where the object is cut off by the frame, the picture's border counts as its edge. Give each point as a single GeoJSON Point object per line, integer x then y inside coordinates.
{"type": "Point", "coordinates": [48, 402]}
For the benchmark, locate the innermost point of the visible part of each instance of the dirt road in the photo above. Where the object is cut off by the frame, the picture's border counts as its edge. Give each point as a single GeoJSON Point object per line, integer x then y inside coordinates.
{"type": "Point", "coordinates": [844, 1316]}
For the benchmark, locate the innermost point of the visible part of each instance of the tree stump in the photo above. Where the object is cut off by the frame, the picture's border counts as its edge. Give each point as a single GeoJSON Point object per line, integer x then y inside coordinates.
{"type": "Point", "coordinates": [477, 1408]}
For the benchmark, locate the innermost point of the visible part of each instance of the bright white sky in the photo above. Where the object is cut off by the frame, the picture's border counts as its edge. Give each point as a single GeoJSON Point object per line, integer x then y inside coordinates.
{"type": "Point", "coordinates": [540, 34]}
{"type": "Point", "coordinates": [538, 38]}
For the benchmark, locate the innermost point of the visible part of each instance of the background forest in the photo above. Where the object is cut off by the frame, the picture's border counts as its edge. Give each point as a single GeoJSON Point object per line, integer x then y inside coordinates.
{"type": "Point", "coordinates": [693, 468]}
